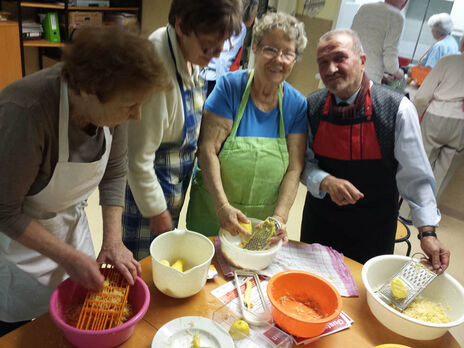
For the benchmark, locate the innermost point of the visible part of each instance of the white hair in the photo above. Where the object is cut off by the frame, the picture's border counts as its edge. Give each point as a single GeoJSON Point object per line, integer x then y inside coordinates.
{"type": "Point", "coordinates": [441, 23]}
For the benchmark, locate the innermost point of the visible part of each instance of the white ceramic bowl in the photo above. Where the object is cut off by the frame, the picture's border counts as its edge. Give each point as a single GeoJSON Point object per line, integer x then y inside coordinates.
{"type": "Point", "coordinates": [246, 259]}
{"type": "Point", "coordinates": [443, 289]}
{"type": "Point", "coordinates": [197, 251]}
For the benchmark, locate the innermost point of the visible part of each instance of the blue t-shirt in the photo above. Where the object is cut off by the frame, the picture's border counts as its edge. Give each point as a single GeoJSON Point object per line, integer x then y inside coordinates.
{"type": "Point", "coordinates": [225, 99]}
{"type": "Point", "coordinates": [444, 47]}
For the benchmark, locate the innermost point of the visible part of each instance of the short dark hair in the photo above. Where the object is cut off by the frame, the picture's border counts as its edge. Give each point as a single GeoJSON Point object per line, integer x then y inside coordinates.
{"type": "Point", "coordinates": [223, 17]}
{"type": "Point", "coordinates": [107, 60]}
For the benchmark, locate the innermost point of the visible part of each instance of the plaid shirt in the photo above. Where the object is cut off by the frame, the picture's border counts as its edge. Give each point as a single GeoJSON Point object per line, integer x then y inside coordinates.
{"type": "Point", "coordinates": [173, 166]}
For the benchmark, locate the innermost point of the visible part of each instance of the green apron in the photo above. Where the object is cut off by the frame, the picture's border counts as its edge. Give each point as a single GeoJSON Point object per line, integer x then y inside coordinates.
{"type": "Point", "coordinates": [252, 169]}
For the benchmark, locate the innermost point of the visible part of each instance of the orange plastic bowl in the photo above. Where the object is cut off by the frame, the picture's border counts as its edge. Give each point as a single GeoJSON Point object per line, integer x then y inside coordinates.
{"type": "Point", "coordinates": [303, 287]}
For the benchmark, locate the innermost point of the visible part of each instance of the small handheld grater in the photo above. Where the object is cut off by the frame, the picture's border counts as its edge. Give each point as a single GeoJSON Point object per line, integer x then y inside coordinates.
{"type": "Point", "coordinates": [415, 276]}
{"type": "Point", "coordinates": [259, 239]}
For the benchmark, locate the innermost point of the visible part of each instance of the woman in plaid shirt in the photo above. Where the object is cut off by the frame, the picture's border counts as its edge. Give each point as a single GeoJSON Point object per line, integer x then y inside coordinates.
{"type": "Point", "coordinates": [162, 146]}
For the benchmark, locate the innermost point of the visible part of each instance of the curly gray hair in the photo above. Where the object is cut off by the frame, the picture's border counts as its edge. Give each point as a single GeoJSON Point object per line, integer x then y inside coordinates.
{"type": "Point", "coordinates": [292, 28]}
{"type": "Point", "coordinates": [441, 23]}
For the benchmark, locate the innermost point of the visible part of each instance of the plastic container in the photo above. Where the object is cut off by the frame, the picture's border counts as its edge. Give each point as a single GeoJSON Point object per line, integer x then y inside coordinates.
{"type": "Point", "coordinates": [243, 258]}
{"type": "Point", "coordinates": [264, 336]}
{"type": "Point", "coordinates": [68, 293]}
{"type": "Point", "coordinates": [197, 251]}
{"type": "Point", "coordinates": [444, 289]}
{"type": "Point", "coordinates": [303, 286]}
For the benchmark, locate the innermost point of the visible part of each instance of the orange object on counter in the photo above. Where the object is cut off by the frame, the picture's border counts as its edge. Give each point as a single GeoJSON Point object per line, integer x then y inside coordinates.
{"type": "Point", "coordinates": [419, 73]}
{"type": "Point", "coordinates": [303, 303]}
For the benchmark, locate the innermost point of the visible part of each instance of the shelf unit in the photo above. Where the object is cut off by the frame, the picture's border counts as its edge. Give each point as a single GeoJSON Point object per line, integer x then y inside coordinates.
{"type": "Point", "coordinates": [65, 8]}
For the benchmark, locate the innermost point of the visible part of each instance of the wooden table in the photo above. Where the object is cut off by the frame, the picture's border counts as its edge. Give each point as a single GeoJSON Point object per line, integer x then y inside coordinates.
{"type": "Point", "coordinates": [366, 331]}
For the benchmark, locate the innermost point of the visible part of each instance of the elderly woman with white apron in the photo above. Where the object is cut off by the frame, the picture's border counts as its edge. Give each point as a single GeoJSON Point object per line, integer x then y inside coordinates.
{"type": "Point", "coordinates": [62, 137]}
{"type": "Point", "coordinates": [162, 146]}
{"type": "Point", "coordinates": [253, 136]}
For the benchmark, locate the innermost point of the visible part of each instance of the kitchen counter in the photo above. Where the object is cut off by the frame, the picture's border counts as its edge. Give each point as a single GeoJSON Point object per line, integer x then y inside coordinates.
{"type": "Point", "coordinates": [366, 331]}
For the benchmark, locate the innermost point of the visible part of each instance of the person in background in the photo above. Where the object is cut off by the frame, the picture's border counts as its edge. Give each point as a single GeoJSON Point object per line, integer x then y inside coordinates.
{"type": "Point", "coordinates": [379, 26]}
{"type": "Point", "coordinates": [364, 146]}
{"type": "Point", "coordinates": [253, 136]}
{"type": "Point", "coordinates": [63, 134]}
{"type": "Point", "coordinates": [461, 45]}
{"type": "Point", "coordinates": [232, 48]}
{"type": "Point", "coordinates": [162, 146]}
{"type": "Point", "coordinates": [440, 99]}
{"type": "Point", "coordinates": [441, 25]}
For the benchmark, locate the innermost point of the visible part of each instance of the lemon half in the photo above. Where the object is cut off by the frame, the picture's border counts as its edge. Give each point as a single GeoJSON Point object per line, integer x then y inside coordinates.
{"type": "Point", "coordinates": [247, 226]}
{"type": "Point", "coordinates": [239, 330]}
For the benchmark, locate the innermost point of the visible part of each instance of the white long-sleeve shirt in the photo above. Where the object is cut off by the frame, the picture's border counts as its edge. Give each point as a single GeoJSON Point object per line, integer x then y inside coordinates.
{"type": "Point", "coordinates": [414, 176]}
{"type": "Point", "coordinates": [445, 84]}
{"type": "Point", "coordinates": [162, 123]}
{"type": "Point", "coordinates": [379, 26]}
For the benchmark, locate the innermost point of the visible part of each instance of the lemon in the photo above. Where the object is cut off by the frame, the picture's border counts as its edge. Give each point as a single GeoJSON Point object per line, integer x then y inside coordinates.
{"type": "Point", "coordinates": [179, 264]}
{"type": "Point", "coordinates": [398, 288]}
{"type": "Point", "coordinates": [239, 330]}
{"type": "Point", "coordinates": [247, 226]}
{"type": "Point", "coordinates": [165, 262]}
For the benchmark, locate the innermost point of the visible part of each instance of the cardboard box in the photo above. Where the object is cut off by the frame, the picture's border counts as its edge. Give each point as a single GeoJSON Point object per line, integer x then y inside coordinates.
{"type": "Point", "coordinates": [77, 18]}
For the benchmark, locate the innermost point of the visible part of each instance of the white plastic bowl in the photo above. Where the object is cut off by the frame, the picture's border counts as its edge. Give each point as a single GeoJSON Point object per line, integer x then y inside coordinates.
{"type": "Point", "coordinates": [443, 289]}
{"type": "Point", "coordinates": [197, 251]}
{"type": "Point", "coordinates": [246, 259]}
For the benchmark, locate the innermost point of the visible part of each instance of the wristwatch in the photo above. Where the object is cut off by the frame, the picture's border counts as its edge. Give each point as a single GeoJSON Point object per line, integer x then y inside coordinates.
{"type": "Point", "coordinates": [428, 233]}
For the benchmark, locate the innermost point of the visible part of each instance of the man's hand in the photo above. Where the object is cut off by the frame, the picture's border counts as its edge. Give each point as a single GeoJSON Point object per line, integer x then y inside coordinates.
{"type": "Point", "coordinates": [116, 254]}
{"type": "Point", "coordinates": [84, 270]}
{"type": "Point", "coordinates": [229, 218]}
{"type": "Point", "coordinates": [341, 191]}
{"type": "Point", "coordinates": [438, 255]}
{"type": "Point", "coordinates": [161, 223]}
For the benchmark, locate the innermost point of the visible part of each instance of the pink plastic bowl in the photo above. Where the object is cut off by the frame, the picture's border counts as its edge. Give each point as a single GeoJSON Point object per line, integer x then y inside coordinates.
{"type": "Point", "coordinates": [68, 292]}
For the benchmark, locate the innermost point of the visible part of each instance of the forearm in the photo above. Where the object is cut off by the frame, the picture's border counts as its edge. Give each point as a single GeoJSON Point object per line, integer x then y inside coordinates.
{"type": "Point", "coordinates": [287, 193]}
{"type": "Point", "coordinates": [211, 171]}
{"type": "Point", "coordinates": [112, 229]}
{"type": "Point", "coordinates": [37, 238]}
{"type": "Point", "coordinates": [214, 131]}
{"type": "Point", "coordinates": [296, 144]}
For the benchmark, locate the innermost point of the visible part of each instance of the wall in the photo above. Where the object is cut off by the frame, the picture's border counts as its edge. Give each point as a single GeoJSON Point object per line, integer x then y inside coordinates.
{"type": "Point", "coordinates": [154, 14]}
{"type": "Point", "coordinates": [303, 74]}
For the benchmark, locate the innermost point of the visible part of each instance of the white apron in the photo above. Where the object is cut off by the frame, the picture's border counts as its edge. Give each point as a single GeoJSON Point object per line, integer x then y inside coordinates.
{"type": "Point", "coordinates": [27, 278]}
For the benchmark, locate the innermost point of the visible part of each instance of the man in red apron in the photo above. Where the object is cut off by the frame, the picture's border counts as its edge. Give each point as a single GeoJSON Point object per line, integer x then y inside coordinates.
{"type": "Point", "coordinates": [62, 136]}
{"type": "Point", "coordinates": [364, 146]}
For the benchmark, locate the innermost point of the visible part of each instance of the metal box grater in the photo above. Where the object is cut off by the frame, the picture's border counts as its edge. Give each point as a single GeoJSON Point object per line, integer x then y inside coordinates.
{"type": "Point", "coordinates": [259, 238]}
{"type": "Point", "coordinates": [415, 276]}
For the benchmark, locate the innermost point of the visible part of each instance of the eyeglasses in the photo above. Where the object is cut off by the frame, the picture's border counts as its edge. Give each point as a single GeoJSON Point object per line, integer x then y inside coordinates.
{"type": "Point", "coordinates": [205, 47]}
{"type": "Point", "coordinates": [211, 51]}
{"type": "Point", "coordinates": [272, 52]}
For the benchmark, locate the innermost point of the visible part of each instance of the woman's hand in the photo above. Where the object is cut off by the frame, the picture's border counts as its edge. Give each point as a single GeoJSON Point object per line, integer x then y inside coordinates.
{"type": "Point", "coordinates": [161, 223]}
{"type": "Point", "coordinates": [281, 233]}
{"type": "Point", "coordinates": [116, 254]}
{"type": "Point", "coordinates": [229, 218]}
{"type": "Point", "coordinates": [84, 270]}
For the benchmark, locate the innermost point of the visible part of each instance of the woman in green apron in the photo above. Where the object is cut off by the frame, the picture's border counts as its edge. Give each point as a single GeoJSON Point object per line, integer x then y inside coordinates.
{"type": "Point", "coordinates": [253, 136]}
